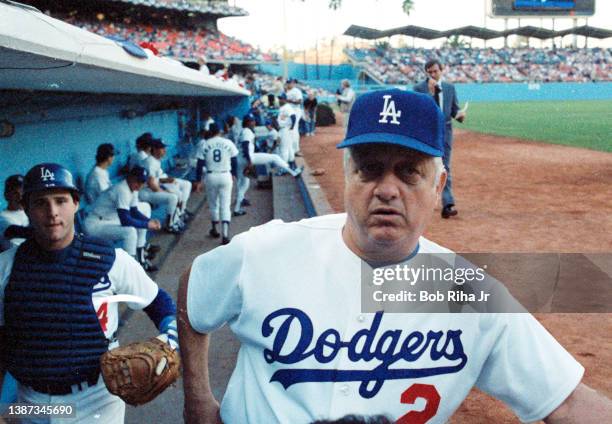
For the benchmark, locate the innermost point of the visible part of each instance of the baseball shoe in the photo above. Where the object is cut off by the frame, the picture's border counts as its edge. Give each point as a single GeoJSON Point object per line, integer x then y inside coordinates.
{"type": "Point", "coordinates": [152, 248]}
{"type": "Point", "coordinates": [173, 229]}
{"type": "Point", "coordinates": [448, 211]}
{"type": "Point", "coordinates": [239, 213]}
{"type": "Point", "coordinates": [214, 233]}
{"type": "Point", "coordinates": [149, 267]}
{"type": "Point", "coordinates": [298, 154]}
{"type": "Point", "coordinates": [225, 240]}
{"type": "Point", "coordinates": [151, 251]}
{"type": "Point", "coordinates": [245, 202]}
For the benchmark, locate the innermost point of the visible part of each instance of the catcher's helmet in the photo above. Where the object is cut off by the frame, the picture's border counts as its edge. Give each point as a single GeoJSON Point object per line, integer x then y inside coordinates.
{"type": "Point", "coordinates": [46, 176]}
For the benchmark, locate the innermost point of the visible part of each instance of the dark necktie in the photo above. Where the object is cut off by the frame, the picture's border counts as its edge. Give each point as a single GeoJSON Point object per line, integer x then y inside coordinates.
{"type": "Point", "coordinates": [437, 95]}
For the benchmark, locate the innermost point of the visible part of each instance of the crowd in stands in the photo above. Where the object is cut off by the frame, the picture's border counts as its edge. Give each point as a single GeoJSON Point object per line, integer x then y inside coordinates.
{"type": "Point", "coordinates": [213, 7]}
{"type": "Point", "coordinates": [405, 65]}
{"type": "Point", "coordinates": [178, 43]}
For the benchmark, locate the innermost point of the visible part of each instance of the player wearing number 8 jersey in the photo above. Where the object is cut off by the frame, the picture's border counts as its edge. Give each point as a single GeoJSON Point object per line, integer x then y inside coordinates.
{"type": "Point", "coordinates": [217, 155]}
{"type": "Point", "coordinates": [308, 351]}
{"type": "Point", "coordinates": [55, 318]}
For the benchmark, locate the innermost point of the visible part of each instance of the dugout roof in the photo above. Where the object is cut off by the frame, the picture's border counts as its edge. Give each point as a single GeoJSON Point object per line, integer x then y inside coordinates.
{"type": "Point", "coordinates": [55, 56]}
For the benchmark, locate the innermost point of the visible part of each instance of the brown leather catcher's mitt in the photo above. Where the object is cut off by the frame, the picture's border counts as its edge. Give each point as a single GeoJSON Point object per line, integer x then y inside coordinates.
{"type": "Point", "coordinates": [138, 372]}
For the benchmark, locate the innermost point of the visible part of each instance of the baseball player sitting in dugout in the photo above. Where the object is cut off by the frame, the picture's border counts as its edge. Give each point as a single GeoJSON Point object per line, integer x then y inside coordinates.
{"type": "Point", "coordinates": [114, 216]}
{"type": "Point", "coordinates": [58, 310]}
{"type": "Point", "coordinates": [308, 351]}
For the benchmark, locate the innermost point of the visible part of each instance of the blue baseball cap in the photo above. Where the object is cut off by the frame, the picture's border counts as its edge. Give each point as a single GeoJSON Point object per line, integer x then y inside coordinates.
{"type": "Point", "coordinates": [46, 176]}
{"type": "Point", "coordinates": [399, 117]}
{"type": "Point", "coordinates": [139, 173]}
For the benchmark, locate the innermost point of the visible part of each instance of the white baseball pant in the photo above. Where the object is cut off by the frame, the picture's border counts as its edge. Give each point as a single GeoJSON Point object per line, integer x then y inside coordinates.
{"type": "Point", "coordinates": [163, 198]}
{"type": "Point", "coordinates": [182, 189]}
{"type": "Point", "coordinates": [286, 145]}
{"type": "Point", "coordinates": [219, 195]}
{"type": "Point", "coordinates": [111, 229]}
{"type": "Point", "coordinates": [271, 159]}
{"type": "Point", "coordinates": [242, 183]}
{"type": "Point", "coordinates": [93, 404]}
{"type": "Point", "coordinates": [295, 141]}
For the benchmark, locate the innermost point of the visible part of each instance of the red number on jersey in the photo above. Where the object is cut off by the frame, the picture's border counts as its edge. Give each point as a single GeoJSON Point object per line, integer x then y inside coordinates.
{"type": "Point", "coordinates": [431, 396]}
{"type": "Point", "coordinates": [103, 315]}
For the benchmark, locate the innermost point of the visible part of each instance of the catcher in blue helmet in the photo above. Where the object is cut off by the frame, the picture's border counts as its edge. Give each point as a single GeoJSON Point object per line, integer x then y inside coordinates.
{"type": "Point", "coordinates": [58, 302]}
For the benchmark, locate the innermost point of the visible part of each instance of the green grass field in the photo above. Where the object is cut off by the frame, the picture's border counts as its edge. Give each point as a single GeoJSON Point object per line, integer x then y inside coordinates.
{"type": "Point", "coordinates": [581, 123]}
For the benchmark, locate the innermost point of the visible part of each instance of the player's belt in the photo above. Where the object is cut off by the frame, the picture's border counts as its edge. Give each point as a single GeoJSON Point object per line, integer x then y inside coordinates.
{"type": "Point", "coordinates": [65, 389]}
{"type": "Point", "coordinates": [217, 172]}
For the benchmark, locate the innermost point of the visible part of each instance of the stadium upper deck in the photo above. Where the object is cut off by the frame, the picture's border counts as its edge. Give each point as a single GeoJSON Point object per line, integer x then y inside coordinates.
{"type": "Point", "coordinates": [405, 65]}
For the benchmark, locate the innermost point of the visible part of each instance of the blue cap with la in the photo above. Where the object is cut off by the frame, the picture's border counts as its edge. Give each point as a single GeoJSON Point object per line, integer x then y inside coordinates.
{"type": "Point", "coordinates": [394, 116]}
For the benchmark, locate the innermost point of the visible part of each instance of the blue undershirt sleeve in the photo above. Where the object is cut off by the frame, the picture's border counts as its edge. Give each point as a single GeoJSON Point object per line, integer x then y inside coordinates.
{"type": "Point", "coordinates": [127, 220]}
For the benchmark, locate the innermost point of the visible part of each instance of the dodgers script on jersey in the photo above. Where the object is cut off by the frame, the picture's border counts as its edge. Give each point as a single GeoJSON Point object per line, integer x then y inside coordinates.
{"type": "Point", "coordinates": [308, 352]}
{"type": "Point", "coordinates": [125, 277]}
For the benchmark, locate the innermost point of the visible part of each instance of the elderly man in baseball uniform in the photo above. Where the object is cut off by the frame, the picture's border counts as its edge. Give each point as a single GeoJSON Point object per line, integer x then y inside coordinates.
{"type": "Point", "coordinates": [13, 220]}
{"type": "Point", "coordinates": [115, 217]}
{"type": "Point", "coordinates": [58, 310]}
{"type": "Point", "coordinates": [217, 155]}
{"type": "Point", "coordinates": [307, 349]}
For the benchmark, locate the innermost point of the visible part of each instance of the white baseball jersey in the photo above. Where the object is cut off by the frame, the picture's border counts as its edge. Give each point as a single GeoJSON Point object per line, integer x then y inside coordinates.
{"type": "Point", "coordinates": [284, 117]}
{"type": "Point", "coordinates": [295, 93]}
{"type": "Point", "coordinates": [217, 152]}
{"type": "Point", "coordinates": [154, 167]}
{"type": "Point", "coordinates": [137, 158]}
{"type": "Point", "coordinates": [8, 218]}
{"type": "Point", "coordinates": [118, 196]}
{"type": "Point", "coordinates": [308, 352]}
{"type": "Point", "coordinates": [271, 138]}
{"type": "Point", "coordinates": [246, 135]}
{"type": "Point", "coordinates": [126, 276]}
{"type": "Point", "coordinates": [98, 181]}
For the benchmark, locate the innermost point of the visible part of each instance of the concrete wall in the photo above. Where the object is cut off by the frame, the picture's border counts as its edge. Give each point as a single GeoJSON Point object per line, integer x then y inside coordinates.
{"type": "Point", "coordinates": [308, 72]}
{"type": "Point", "coordinates": [503, 92]}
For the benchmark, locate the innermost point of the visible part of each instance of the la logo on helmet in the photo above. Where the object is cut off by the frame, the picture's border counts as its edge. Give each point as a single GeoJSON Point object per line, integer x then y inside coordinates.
{"type": "Point", "coordinates": [389, 112]}
{"type": "Point", "coordinates": [46, 175]}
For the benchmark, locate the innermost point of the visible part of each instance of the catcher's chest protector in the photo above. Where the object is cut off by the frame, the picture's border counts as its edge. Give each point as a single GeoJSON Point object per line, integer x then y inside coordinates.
{"type": "Point", "coordinates": [53, 332]}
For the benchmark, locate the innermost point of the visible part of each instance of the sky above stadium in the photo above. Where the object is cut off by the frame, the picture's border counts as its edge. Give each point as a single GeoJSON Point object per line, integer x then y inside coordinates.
{"type": "Point", "coordinates": [311, 20]}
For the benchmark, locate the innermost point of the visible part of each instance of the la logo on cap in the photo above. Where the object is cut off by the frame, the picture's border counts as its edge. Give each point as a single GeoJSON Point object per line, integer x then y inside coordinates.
{"type": "Point", "coordinates": [46, 174]}
{"type": "Point", "coordinates": [389, 112]}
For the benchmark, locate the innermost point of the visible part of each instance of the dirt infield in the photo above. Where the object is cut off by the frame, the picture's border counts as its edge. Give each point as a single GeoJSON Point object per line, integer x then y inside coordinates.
{"type": "Point", "coordinates": [515, 196]}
